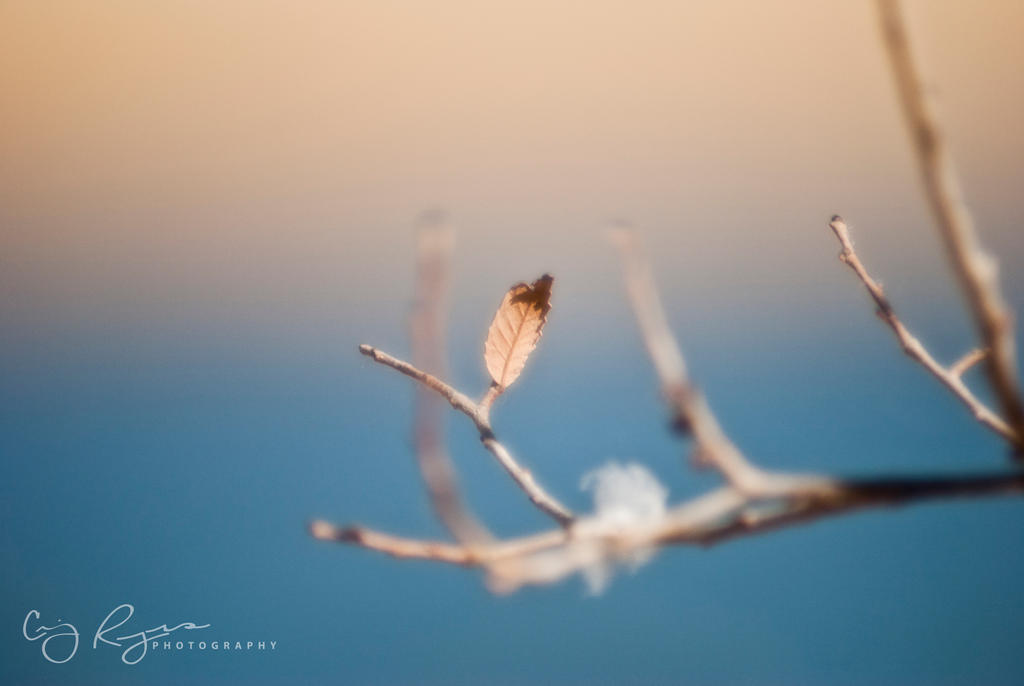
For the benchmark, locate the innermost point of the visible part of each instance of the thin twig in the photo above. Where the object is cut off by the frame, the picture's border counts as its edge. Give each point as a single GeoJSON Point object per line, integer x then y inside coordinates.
{"type": "Point", "coordinates": [493, 391]}
{"type": "Point", "coordinates": [480, 416]}
{"type": "Point", "coordinates": [970, 358]}
{"type": "Point", "coordinates": [691, 414]}
{"type": "Point", "coordinates": [426, 325]}
{"type": "Point", "coordinates": [975, 269]}
{"type": "Point", "coordinates": [950, 377]}
{"type": "Point", "coordinates": [459, 401]}
{"type": "Point", "coordinates": [395, 546]}
{"type": "Point", "coordinates": [544, 501]}
{"type": "Point", "coordinates": [399, 546]}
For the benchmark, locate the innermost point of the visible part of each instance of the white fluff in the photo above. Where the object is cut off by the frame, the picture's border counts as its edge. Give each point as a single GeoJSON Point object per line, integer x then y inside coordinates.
{"type": "Point", "coordinates": [624, 496]}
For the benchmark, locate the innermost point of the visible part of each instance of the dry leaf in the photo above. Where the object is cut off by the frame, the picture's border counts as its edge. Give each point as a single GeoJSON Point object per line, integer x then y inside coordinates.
{"type": "Point", "coordinates": [516, 328]}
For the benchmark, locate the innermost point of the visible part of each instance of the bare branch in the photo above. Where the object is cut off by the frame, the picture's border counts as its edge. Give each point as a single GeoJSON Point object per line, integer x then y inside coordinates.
{"type": "Point", "coordinates": [691, 414]}
{"type": "Point", "coordinates": [719, 516]}
{"type": "Point", "coordinates": [849, 496]}
{"type": "Point", "coordinates": [975, 269]}
{"type": "Point", "coordinates": [426, 324]}
{"type": "Point", "coordinates": [480, 415]}
{"type": "Point", "coordinates": [951, 378]}
{"type": "Point", "coordinates": [754, 501]}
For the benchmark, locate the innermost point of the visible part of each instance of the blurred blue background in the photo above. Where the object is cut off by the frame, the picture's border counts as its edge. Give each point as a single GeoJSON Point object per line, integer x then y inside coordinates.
{"type": "Point", "coordinates": [204, 209]}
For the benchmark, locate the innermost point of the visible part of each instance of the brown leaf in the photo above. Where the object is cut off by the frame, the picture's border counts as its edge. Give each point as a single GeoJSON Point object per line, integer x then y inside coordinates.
{"type": "Point", "coordinates": [516, 328]}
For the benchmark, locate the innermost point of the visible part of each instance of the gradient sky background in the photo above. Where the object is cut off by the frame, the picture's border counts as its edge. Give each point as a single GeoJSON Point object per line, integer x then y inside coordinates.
{"type": "Point", "coordinates": [205, 208]}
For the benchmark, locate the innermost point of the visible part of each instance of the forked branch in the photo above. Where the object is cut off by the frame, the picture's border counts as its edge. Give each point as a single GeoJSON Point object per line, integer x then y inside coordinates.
{"type": "Point", "coordinates": [479, 414]}
{"type": "Point", "coordinates": [976, 270]}
{"type": "Point", "coordinates": [952, 376]}
{"type": "Point", "coordinates": [753, 500]}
